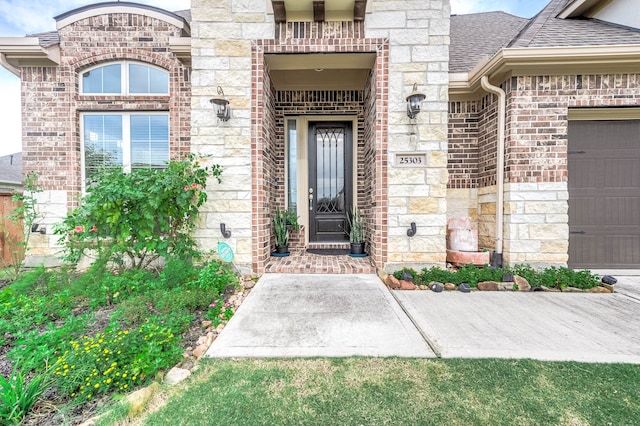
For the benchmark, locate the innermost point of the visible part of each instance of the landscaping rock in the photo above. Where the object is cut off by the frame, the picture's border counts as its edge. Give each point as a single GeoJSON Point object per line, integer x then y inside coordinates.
{"type": "Point", "coordinates": [608, 279]}
{"type": "Point", "coordinates": [200, 351]}
{"type": "Point", "coordinates": [541, 288]}
{"type": "Point", "coordinates": [506, 286]}
{"type": "Point", "coordinates": [138, 399]}
{"type": "Point", "coordinates": [392, 282]}
{"type": "Point", "coordinates": [450, 286]}
{"type": "Point", "coordinates": [176, 375]}
{"type": "Point", "coordinates": [206, 324]}
{"type": "Point", "coordinates": [573, 290]}
{"type": "Point", "coordinates": [464, 287]}
{"type": "Point", "coordinates": [488, 286]}
{"type": "Point", "coordinates": [599, 289]}
{"type": "Point", "coordinates": [609, 287]}
{"type": "Point", "coordinates": [382, 274]}
{"type": "Point", "coordinates": [436, 287]}
{"type": "Point", "coordinates": [523, 284]}
{"type": "Point", "coordinates": [407, 285]}
{"type": "Point", "coordinates": [423, 287]}
{"type": "Point", "coordinates": [407, 277]}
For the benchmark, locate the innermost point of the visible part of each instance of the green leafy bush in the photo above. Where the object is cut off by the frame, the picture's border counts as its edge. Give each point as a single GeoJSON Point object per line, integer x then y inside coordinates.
{"type": "Point", "coordinates": [552, 277]}
{"type": "Point", "coordinates": [18, 394]}
{"type": "Point", "coordinates": [139, 216]}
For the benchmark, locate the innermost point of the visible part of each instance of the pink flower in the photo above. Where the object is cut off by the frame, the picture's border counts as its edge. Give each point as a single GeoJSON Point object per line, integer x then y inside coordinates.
{"type": "Point", "coordinates": [116, 272]}
{"type": "Point", "coordinates": [186, 188]}
{"type": "Point", "coordinates": [213, 305]}
{"type": "Point", "coordinates": [78, 228]}
{"type": "Point", "coordinates": [199, 186]}
{"type": "Point", "coordinates": [94, 229]}
{"type": "Point", "coordinates": [194, 186]}
{"type": "Point", "coordinates": [226, 305]}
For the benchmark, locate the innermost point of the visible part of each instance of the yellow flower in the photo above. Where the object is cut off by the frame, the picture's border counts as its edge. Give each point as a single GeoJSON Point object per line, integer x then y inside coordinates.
{"type": "Point", "coordinates": [125, 386]}
{"type": "Point", "coordinates": [97, 385]}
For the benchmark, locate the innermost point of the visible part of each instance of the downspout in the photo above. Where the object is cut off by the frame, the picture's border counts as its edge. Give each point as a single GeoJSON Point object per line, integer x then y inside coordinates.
{"type": "Point", "coordinates": [502, 107]}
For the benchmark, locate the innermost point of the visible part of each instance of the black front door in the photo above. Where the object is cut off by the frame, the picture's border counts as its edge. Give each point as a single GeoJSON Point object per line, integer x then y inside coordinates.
{"type": "Point", "coordinates": [330, 180]}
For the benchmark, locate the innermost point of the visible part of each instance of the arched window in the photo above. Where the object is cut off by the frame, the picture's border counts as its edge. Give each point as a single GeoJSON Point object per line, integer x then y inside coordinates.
{"type": "Point", "coordinates": [124, 78]}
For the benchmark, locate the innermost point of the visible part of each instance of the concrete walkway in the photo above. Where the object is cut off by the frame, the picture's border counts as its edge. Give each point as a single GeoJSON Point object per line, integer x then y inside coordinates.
{"type": "Point", "coordinates": [319, 315]}
{"type": "Point", "coordinates": [347, 315]}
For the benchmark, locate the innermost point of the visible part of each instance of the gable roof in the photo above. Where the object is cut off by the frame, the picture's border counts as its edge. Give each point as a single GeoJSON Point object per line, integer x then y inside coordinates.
{"type": "Point", "coordinates": [478, 35]}
{"type": "Point", "coordinates": [481, 35]}
{"type": "Point", "coordinates": [11, 168]}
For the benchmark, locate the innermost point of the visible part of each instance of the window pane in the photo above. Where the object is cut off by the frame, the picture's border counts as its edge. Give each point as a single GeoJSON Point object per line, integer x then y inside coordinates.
{"type": "Point", "coordinates": [145, 79]}
{"type": "Point", "coordinates": [102, 142]}
{"type": "Point", "coordinates": [292, 178]}
{"type": "Point", "coordinates": [106, 79]}
{"type": "Point", "coordinates": [149, 141]}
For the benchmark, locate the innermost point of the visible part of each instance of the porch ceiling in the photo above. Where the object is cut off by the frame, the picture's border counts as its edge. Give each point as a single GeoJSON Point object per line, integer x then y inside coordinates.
{"type": "Point", "coordinates": [330, 71]}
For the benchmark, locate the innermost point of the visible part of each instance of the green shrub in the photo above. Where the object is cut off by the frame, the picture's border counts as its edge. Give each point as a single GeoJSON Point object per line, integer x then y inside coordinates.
{"type": "Point", "coordinates": [18, 394]}
{"type": "Point", "coordinates": [115, 360]}
{"type": "Point", "coordinates": [139, 216]}
{"type": "Point", "coordinates": [214, 275]}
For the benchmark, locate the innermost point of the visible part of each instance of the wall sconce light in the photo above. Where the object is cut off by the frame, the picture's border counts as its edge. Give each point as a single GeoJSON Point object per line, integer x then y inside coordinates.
{"type": "Point", "coordinates": [412, 231]}
{"type": "Point", "coordinates": [37, 228]}
{"type": "Point", "coordinates": [414, 101]}
{"type": "Point", "coordinates": [223, 110]}
{"type": "Point", "coordinates": [224, 231]}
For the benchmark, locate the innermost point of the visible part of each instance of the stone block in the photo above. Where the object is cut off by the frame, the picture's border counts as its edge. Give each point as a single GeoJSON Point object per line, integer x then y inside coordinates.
{"type": "Point", "coordinates": [437, 159]}
{"type": "Point", "coordinates": [424, 205]}
{"type": "Point", "coordinates": [546, 207]}
{"type": "Point", "coordinates": [384, 20]}
{"type": "Point", "coordinates": [460, 258]}
{"type": "Point", "coordinates": [549, 231]}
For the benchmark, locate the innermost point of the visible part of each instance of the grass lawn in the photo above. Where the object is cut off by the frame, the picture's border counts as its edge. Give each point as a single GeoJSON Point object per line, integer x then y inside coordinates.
{"type": "Point", "coordinates": [373, 391]}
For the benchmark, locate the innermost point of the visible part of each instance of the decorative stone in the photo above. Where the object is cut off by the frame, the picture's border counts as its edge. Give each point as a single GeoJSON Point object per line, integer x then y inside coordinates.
{"type": "Point", "coordinates": [508, 278]}
{"type": "Point", "coordinates": [541, 288]}
{"type": "Point", "coordinates": [382, 274]}
{"type": "Point", "coordinates": [573, 290]}
{"type": "Point", "coordinates": [138, 399]}
{"type": "Point", "coordinates": [608, 279]}
{"type": "Point", "coordinates": [488, 286]}
{"type": "Point", "coordinates": [200, 350]}
{"type": "Point", "coordinates": [609, 287]}
{"type": "Point", "coordinates": [450, 286]}
{"type": "Point", "coordinates": [392, 282]}
{"type": "Point", "coordinates": [219, 328]}
{"type": "Point", "coordinates": [506, 286]}
{"type": "Point", "coordinates": [436, 287]}
{"type": "Point", "coordinates": [523, 284]}
{"type": "Point", "coordinates": [465, 288]}
{"type": "Point", "coordinates": [407, 277]}
{"type": "Point", "coordinates": [176, 375]}
{"type": "Point", "coordinates": [407, 285]}
{"type": "Point", "coordinates": [423, 287]}
{"type": "Point", "coordinates": [206, 324]}
{"type": "Point", "coordinates": [598, 289]}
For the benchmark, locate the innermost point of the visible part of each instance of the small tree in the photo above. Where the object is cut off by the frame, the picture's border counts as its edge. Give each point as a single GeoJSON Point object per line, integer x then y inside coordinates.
{"type": "Point", "coordinates": [140, 215]}
{"type": "Point", "coordinates": [24, 215]}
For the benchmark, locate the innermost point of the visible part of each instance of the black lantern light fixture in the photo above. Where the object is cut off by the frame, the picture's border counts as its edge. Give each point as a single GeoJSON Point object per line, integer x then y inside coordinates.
{"type": "Point", "coordinates": [223, 110]}
{"type": "Point", "coordinates": [414, 101]}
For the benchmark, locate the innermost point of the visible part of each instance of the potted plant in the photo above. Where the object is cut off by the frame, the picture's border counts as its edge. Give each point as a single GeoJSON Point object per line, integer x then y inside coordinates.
{"type": "Point", "coordinates": [282, 221]}
{"type": "Point", "coordinates": [281, 232]}
{"type": "Point", "coordinates": [356, 231]}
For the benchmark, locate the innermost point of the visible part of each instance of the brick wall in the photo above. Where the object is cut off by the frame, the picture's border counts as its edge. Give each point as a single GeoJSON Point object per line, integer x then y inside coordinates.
{"type": "Point", "coordinates": [463, 145]}
{"type": "Point", "coordinates": [536, 211]}
{"type": "Point", "coordinates": [51, 102]}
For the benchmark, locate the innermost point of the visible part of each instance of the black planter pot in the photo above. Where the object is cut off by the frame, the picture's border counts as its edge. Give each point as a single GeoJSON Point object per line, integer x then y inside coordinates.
{"type": "Point", "coordinates": [282, 249]}
{"type": "Point", "coordinates": [357, 248]}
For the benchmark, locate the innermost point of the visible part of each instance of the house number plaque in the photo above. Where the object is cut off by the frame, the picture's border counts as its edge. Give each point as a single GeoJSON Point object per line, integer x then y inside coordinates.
{"type": "Point", "coordinates": [413, 159]}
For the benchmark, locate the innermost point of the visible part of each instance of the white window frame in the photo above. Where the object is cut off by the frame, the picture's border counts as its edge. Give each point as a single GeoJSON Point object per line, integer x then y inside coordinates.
{"type": "Point", "coordinates": [124, 79]}
{"type": "Point", "coordinates": [126, 137]}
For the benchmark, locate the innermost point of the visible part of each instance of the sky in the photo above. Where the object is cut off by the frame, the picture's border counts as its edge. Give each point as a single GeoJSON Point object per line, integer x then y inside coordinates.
{"type": "Point", "coordinates": [21, 17]}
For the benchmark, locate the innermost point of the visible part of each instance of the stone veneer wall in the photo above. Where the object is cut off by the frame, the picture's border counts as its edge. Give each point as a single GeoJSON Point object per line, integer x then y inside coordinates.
{"type": "Point", "coordinates": [418, 34]}
{"type": "Point", "coordinates": [222, 35]}
{"type": "Point", "coordinates": [51, 105]}
{"type": "Point", "coordinates": [536, 210]}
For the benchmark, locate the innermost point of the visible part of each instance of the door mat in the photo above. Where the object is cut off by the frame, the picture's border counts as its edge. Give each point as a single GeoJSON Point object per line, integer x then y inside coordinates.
{"type": "Point", "coordinates": [329, 252]}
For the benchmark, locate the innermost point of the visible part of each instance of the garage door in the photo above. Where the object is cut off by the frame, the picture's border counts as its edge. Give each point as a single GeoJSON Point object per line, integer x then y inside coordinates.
{"type": "Point", "coordinates": [604, 194]}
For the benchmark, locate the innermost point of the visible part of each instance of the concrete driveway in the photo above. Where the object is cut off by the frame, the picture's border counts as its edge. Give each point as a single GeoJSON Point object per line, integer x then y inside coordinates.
{"type": "Point", "coordinates": [347, 315]}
